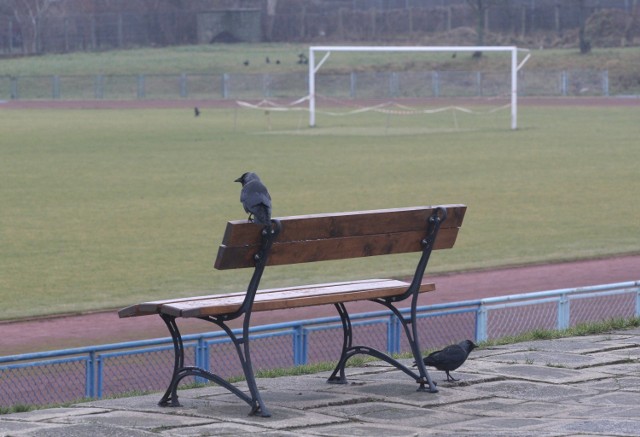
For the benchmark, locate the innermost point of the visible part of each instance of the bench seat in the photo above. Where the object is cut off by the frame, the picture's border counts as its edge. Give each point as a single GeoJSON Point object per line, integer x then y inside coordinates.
{"type": "Point", "coordinates": [275, 299]}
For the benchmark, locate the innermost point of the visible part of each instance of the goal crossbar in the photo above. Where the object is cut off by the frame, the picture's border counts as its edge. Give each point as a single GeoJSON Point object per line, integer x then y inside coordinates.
{"type": "Point", "coordinates": [515, 66]}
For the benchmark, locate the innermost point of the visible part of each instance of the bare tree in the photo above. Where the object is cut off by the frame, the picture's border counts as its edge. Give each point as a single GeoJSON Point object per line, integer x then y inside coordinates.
{"type": "Point", "coordinates": [632, 20]}
{"type": "Point", "coordinates": [481, 9]}
{"type": "Point", "coordinates": [29, 14]}
{"type": "Point", "coordinates": [585, 44]}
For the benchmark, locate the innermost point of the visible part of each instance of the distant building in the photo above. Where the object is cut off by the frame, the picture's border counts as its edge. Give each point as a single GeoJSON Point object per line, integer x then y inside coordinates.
{"type": "Point", "coordinates": [230, 25]}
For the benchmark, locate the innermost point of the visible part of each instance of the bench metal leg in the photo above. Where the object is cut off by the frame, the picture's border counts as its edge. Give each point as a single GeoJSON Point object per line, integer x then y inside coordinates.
{"type": "Point", "coordinates": [180, 371]}
{"type": "Point", "coordinates": [347, 341]}
{"type": "Point", "coordinates": [244, 354]}
{"type": "Point", "coordinates": [348, 350]}
{"type": "Point", "coordinates": [170, 396]}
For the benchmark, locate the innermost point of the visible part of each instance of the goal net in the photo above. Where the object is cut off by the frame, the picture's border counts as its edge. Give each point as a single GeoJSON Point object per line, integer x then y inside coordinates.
{"type": "Point", "coordinates": [404, 92]}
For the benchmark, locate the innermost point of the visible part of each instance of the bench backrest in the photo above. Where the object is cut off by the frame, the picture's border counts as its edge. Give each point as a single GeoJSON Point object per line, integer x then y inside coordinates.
{"type": "Point", "coordinates": [321, 237]}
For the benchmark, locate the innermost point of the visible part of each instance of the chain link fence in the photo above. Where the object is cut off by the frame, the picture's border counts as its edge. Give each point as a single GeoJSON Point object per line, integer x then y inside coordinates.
{"type": "Point", "coordinates": [381, 85]}
{"type": "Point", "coordinates": [135, 367]}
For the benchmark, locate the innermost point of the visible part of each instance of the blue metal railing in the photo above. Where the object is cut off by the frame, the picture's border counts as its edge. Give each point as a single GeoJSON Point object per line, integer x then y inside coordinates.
{"type": "Point", "coordinates": [104, 367]}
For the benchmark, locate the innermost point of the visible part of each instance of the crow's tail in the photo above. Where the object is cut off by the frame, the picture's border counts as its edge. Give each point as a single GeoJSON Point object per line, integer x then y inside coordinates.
{"type": "Point", "coordinates": [261, 215]}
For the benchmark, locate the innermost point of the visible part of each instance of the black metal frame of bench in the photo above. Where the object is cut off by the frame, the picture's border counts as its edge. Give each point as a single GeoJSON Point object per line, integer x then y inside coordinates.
{"type": "Point", "coordinates": [242, 343]}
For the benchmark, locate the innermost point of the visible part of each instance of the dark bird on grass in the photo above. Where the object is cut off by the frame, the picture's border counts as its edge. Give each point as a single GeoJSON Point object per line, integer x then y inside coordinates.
{"type": "Point", "coordinates": [255, 198]}
{"type": "Point", "coordinates": [278, 61]}
{"type": "Point", "coordinates": [450, 358]}
{"type": "Point", "coordinates": [246, 63]}
{"type": "Point", "coordinates": [196, 112]}
{"type": "Point", "coordinates": [267, 60]}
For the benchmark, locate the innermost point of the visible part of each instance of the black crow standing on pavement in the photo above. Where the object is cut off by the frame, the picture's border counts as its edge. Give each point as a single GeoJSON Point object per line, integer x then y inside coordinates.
{"type": "Point", "coordinates": [450, 358]}
{"type": "Point", "coordinates": [255, 198]}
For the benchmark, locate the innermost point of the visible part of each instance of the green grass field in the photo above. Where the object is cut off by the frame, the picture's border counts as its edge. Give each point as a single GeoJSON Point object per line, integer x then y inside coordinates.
{"type": "Point", "coordinates": [105, 208]}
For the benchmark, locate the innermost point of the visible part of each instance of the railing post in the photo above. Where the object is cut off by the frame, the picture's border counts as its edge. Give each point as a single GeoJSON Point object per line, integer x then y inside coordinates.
{"type": "Point", "coordinates": [638, 301]}
{"type": "Point", "coordinates": [481, 323]}
{"type": "Point", "coordinates": [390, 335]}
{"type": "Point", "coordinates": [225, 86]}
{"type": "Point", "coordinates": [605, 83]}
{"type": "Point", "coordinates": [299, 345]}
{"type": "Point", "coordinates": [99, 379]}
{"type": "Point", "coordinates": [89, 387]}
{"type": "Point", "coordinates": [202, 358]}
{"type": "Point", "coordinates": [141, 90]}
{"type": "Point", "coordinates": [435, 83]}
{"type": "Point", "coordinates": [55, 87]}
{"type": "Point", "coordinates": [394, 84]}
{"type": "Point", "coordinates": [98, 88]}
{"type": "Point", "coordinates": [563, 312]}
{"type": "Point", "coordinates": [352, 84]}
{"type": "Point", "coordinates": [393, 335]}
{"type": "Point", "coordinates": [266, 85]}
{"type": "Point", "coordinates": [15, 95]}
{"type": "Point", "coordinates": [183, 85]}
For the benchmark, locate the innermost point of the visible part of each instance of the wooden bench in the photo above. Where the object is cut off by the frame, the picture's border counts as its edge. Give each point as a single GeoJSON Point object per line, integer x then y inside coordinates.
{"type": "Point", "coordinates": [301, 239]}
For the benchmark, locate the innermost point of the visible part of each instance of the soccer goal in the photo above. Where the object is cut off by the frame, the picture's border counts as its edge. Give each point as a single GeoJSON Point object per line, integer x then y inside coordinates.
{"type": "Point", "coordinates": [511, 94]}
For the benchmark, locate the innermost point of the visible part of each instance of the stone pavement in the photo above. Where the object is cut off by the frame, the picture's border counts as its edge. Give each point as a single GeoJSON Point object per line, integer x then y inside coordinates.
{"type": "Point", "coordinates": [580, 386]}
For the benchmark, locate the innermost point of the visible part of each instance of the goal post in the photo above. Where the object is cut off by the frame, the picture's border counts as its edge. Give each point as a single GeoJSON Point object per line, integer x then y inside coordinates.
{"type": "Point", "coordinates": [515, 66]}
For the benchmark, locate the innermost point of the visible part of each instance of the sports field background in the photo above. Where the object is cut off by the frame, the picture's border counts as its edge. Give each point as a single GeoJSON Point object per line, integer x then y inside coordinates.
{"type": "Point", "coordinates": [103, 208]}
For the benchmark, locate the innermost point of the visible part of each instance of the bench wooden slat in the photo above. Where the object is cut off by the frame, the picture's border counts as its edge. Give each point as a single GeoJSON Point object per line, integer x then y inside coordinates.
{"type": "Point", "coordinates": [322, 226]}
{"type": "Point", "coordinates": [153, 307]}
{"type": "Point", "coordinates": [301, 251]}
{"type": "Point", "coordinates": [319, 294]}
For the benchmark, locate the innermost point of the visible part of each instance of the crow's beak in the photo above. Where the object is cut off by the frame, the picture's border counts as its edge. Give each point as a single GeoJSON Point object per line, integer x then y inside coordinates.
{"type": "Point", "coordinates": [239, 179]}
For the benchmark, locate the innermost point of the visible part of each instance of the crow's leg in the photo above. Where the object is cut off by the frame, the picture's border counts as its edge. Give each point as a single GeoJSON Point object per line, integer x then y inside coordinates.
{"type": "Point", "coordinates": [449, 377]}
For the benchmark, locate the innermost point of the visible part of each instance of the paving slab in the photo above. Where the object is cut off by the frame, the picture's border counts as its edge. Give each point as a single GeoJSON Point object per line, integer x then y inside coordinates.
{"type": "Point", "coordinates": [590, 411]}
{"type": "Point", "coordinates": [385, 412]}
{"type": "Point", "coordinates": [533, 391]}
{"type": "Point", "coordinates": [54, 413]}
{"type": "Point", "coordinates": [630, 353]}
{"type": "Point", "coordinates": [364, 430]}
{"type": "Point", "coordinates": [225, 430]}
{"type": "Point", "coordinates": [548, 374]}
{"type": "Point", "coordinates": [282, 418]}
{"type": "Point", "coordinates": [85, 430]}
{"type": "Point", "coordinates": [581, 345]}
{"type": "Point", "coordinates": [621, 369]}
{"type": "Point", "coordinates": [19, 428]}
{"type": "Point", "coordinates": [302, 399]}
{"type": "Point", "coordinates": [559, 359]}
{"type": "Point", "coordinates": [134, 419]}
{"type": "Point", "coordinates": [515, 424]}
{"type": "Point", "coordinates": [396, 393]}
{"type": "Point", "coordinates": [504, 407]}
{"type": "Point", "coordinates": [599, 426]}
{"type": "Point", "coordinates": [618, 398]}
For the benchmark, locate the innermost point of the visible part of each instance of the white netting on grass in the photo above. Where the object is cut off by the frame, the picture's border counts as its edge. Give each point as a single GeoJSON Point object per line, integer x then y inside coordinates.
{"type": "Point", "coordinates": [408, 116]}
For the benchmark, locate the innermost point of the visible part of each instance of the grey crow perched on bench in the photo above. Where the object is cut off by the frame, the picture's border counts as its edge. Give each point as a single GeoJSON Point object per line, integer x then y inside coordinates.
{"type": "Point", "coordinates": [255, 198]}
{"type": "Point", "coordinates": [450, 358]}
